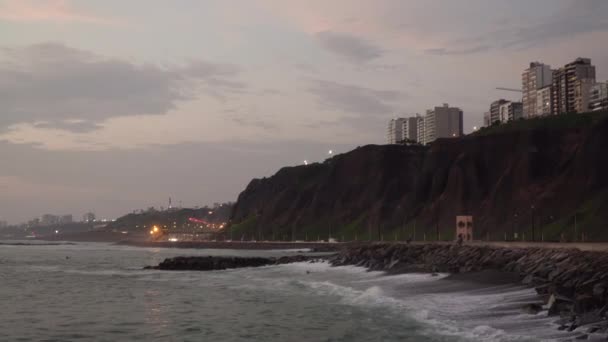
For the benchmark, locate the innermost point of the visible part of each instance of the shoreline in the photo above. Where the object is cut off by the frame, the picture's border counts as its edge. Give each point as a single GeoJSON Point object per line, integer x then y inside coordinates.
{"type": "Point", "coordinates": [571, 284]}
{"type": "Point", "coordinates": [266, 245]}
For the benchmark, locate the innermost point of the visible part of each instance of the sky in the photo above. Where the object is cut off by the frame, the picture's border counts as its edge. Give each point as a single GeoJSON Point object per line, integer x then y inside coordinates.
{"type": "Point", "coordinates": [111, 105]}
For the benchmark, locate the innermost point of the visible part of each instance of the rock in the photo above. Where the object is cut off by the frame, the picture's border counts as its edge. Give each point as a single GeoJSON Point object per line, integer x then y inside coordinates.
{"type": "Point", "coordinates": [210, 263]}
{"type": "Point", "coordinates": [599, 290]}
{"type": "Point", "coordinates": [558, 304]}
{"type": "Point", "coordinates": [585, 303]}
{"type": "Point", "coordinates": [532, 308]}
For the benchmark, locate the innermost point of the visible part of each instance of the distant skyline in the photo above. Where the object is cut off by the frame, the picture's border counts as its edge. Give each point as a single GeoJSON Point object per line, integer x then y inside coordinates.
{"type": "Point", "coordinates": [112, 106]}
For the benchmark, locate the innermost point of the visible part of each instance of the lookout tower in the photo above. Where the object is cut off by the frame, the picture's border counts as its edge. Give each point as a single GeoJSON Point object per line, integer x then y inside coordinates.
{"type": "Point", "coordinates": [464, 227]}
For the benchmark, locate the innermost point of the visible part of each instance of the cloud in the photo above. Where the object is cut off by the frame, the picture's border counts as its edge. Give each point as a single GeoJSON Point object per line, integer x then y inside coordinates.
{"type": "Point", "coordinates": [353, 48]}
{"type": "Point", "coordinates": [467, 51]}
{"type": "Point", "coordinates": [55, 86]}
{"type": "Point", "coordinates": [76, 126]}
{"type": "Point", "coordinates": [572, 18]}
{"type": "Point", "coordinates": [354, 99]}
{"type": "Point", "coordinates": [254, 122]}
{"type": "Point", "coordinates": [46, 10]}
{"type": "Point", "coordinates": [579, 17]}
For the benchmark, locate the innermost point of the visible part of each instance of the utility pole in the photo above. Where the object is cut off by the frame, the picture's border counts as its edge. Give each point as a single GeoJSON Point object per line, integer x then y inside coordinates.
{"type": "Point", "coordinates": [438, 216]}
{"type": "Point", "coordinates": [513, 228]}
{"type": "Point", "coordinates": [533, 239]}
{"type": "Point", "coordinates": [575, 232]}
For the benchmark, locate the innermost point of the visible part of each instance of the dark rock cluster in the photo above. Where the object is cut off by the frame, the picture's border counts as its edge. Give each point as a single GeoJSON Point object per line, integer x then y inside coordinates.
{"type": "Point", "coordinates": [572, 283]}
{"type": "Point", "coordinates": [211, 263]}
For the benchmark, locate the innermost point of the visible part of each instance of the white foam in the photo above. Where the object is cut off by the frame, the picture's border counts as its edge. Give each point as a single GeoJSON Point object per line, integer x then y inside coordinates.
{"type": "Point", "coordinates": [437, 312]}
{"type": "Point", "coordinates": [291, 250]}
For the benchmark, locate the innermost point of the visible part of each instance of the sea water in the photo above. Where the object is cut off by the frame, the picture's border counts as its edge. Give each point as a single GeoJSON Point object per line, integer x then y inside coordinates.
{"type": "Point", "coordinates": [99, 292]}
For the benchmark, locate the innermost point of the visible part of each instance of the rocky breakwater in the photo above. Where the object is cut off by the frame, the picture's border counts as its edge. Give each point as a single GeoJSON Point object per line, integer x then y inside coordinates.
{"type": "Point", "coordinates": [212, 263]}
{"type": "Point", "coordinates": [572, 284]}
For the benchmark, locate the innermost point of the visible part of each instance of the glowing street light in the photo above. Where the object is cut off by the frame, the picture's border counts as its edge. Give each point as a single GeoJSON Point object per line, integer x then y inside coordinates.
{"type": "Point", "coordinates": [305, 162]}
{"type": "Point", "coordinates": [330, 152]}
{"type": "Point", "coordinates": [474, 128]}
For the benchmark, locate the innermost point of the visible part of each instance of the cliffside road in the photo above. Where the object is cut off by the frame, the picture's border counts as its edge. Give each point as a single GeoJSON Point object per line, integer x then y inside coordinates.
{"type": "Point", "coordinates": [582, 246]}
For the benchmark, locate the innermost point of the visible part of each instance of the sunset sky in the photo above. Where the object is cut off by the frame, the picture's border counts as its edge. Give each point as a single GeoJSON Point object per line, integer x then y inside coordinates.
{"type": "Point", "coordinates": [112, 106]}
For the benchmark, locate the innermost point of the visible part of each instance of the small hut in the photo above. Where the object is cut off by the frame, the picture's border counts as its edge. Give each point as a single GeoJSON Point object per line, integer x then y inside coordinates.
{"type": "Point", "coordinates": [464, 227]}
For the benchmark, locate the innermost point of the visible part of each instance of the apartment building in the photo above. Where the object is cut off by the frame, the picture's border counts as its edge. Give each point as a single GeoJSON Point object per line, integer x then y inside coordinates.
{"type": "Point", "coordinates": [442, 122]}
{"type": "Point", "coordinates": [598, 99]}
{"type": "Point", "coordinates": [536, 77]}
{"type": "Point", "coordinates": [543, 101]}
{"type": "Point", "coordinates": [495, 110]}
{"type": "Point", "coordinates": [394, 133]}
{"type": "Point", "coordinates": [510, 111]}
{"type": "Point", "coordinates": [571, 87]}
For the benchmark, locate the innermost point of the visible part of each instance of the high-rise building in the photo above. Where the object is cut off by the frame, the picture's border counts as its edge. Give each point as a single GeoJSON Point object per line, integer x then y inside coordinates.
{"type": "Point", "coordinates": [486, 119]}
{"type": "Point", "coordinates": [420, 132]}
{"type": "Point", "coordinates": [495, 110]}
{"type": "Point", "coordinates": [510, 111]}
{"type": "Point", "coordinates": [536, 77]}
{"type": "Point", "coordinates": [410, 128]}
{"type": "Point", "coordinates": [571, 85]}
{"type": "Point", "coordinates": [582, 94]}
{"type": "Point", "coordinates": [598, 99]}
{"type": "Point", "coordinates": [442, 122]}
{"type": "Point", "coordinates": [395, 130]}
{"type": "Point", "coordinates": [543, 101]}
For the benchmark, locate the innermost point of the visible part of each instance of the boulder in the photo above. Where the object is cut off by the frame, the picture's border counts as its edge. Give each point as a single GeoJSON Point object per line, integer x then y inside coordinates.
{"type": "Point", "coordinates": [559, 304]}
{"type": "Point", "coordinates": [532, 308]}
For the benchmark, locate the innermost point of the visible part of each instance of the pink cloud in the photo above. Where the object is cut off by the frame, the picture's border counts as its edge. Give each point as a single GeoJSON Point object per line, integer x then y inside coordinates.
{"type": "Point", "coordinates": [45, 10]}
{"type": "Point", "coordinates": [366, 19]}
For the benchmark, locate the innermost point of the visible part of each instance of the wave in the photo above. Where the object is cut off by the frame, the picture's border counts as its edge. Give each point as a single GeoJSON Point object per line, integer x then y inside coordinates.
{"type": "Point", "coordinates": [447, 319]}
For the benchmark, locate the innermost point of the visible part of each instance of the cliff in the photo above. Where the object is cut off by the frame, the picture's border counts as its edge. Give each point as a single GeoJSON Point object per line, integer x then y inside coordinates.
{"type": "Point", "coordinates": [550, 174]}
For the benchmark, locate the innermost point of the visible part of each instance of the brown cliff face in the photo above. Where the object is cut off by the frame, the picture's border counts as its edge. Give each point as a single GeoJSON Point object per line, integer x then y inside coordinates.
{"type": "Point", "coordinates": [411, 191]}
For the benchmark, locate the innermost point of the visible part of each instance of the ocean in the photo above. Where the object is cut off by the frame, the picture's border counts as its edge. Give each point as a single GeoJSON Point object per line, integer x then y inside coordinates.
{"type": "Point", "coordinates": [99, 292]}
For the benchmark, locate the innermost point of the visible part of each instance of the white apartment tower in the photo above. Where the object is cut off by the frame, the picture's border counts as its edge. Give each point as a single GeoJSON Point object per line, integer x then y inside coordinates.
{"type": "Point", "coordinates": [420, 132]}
{"type": "Point", "coordinates": [394, 134]}
{"type": "Point", "coordinates": [442, 122]}
{"type": "Point", "coordinates": [536, 77]}
{"type": "Point", "coordinates": [410, 128]}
